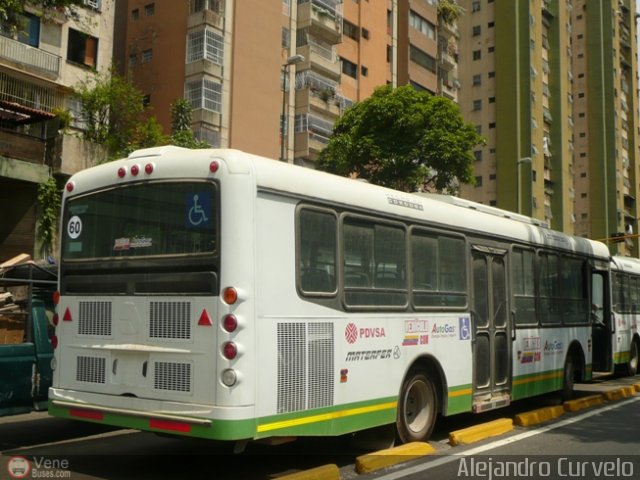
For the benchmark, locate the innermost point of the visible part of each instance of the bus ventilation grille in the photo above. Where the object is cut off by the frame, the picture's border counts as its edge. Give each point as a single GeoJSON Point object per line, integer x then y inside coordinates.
{"type": "Point", "coordinates": [172, 376]}
{"type": "Point", "coordinates": [170, 320]}
{"type": "Point", "coordinates": [94, 319]}
{"type": "Point", "coordinates": [90, 369]}
{"type": "Point", "coordinates": [305, 366]}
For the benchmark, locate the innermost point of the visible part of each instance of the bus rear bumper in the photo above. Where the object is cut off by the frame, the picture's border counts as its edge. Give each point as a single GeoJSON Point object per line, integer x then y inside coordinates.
{"type": "Point", "coordinates": [194, 420]}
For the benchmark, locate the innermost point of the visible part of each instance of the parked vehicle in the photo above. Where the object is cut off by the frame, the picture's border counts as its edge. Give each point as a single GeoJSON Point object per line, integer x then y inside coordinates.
{"type": "Point", "coordinates": [26, 352]}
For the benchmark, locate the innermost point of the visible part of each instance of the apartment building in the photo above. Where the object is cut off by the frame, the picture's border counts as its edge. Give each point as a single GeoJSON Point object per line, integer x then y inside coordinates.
{"type": "Point", "coordinates": [39, 68]}
{"type": "Point", "coordinates": [552, 86]}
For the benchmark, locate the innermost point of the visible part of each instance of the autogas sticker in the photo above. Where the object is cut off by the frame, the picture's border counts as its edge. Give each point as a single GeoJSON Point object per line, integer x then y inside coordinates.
{"type": "Point", "coordinates": [74, 227]}
{"type": "Point", "coordinates": [531, 350]}
{"type": "Point", "coordinates": [444, 330]}
{"type": "Point", "coordinates": [198, 210]}
{"type": "Point", "coordinates": [554, 347]}
{"type": "Point", "coordinates": [416, 332]}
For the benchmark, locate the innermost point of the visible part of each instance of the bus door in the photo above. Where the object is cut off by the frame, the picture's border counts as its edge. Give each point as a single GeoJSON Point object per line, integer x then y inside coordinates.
{"type": "Point", "coordinates": [602, 327]}
{"type": "Point", "coordinates": [491, 327]}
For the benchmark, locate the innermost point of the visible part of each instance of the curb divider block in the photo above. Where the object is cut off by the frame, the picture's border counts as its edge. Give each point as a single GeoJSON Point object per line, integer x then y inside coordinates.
{"type": "Point", "coordinates": [538, 416]}
{"type": "Point", "coordinates": [391, 456]}
{"type": "Point", "coordinates": [480, 432]}
{"type": "Point", "coordinates": [584, 402]}
{"type": "Point", "coordinates": [637, 387]}
{"type": "Point", "coordinates": [619, 393]}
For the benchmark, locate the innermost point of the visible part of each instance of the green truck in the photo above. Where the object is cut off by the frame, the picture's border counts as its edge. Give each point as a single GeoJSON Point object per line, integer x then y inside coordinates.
{"type": "Point", "coordinates": [26, 352]}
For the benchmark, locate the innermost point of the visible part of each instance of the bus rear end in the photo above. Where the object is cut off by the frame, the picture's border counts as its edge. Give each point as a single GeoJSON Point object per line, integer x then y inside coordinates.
{"type": "Point", "coordinates": [141, 342]}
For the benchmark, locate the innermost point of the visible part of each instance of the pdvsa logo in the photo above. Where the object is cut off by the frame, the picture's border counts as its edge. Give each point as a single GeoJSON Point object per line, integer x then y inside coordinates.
{"type": "Point", "coordinates": [352, 333]}
{"type": "Point", "coordinates": [18, 467]}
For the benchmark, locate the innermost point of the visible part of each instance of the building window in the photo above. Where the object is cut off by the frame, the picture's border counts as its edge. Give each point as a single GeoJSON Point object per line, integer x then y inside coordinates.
{"type": "Point", "coordinates": [477, 105]}
{"type": "Point", "coordinates": [133, 60]}
{"type": "Point", "coordinates": [150, 9]}
{"type": "Point", "coordinates": [365, 34]}
{"type": "Point", "coordinates": [95, 4]}
{"type": "Point", "coordinates": [286, 37]}
{"type": "Point", "coordinates": [475, 6]}
{"type": "Point", "coordinates": [478, 155]}
{"type": "Point", "coordinates": [477, 80]}
{"type": "Point", "coordinates": [422, 25]}
{"type": "Point", "coordinates": [82, 48]}
{"type": "Point", "coordinates": [205, 44]}
{"type": "Point", "coordinates": [423, 59]}
{"type": "Point", "coordinates": [217, 6]}
{"type": "Point", "coordinates": [492, 99]}
{"type": "Point", "coordinates": [147, 56]}
{"type": "Point", "coordinates": [350, 30]}
{"type": "Point", "coordinates": [477, 54]}
{"type": "Point", "coordinates": [478, 181]}
{"type": "Point", "coordinates": [492, 49]}
{"type": "Point", "coordinates": [492, 125]}
{"type": "Point", "coordinates": [204, 94]}
{"type": "Point", "coordinates": [491, 24]}
{"type": "Point", "coordinates": [135, 14]}
{"type": "Point", "coordinates": [364, 71]}
{"type": "Point", "coordinates": [146, 100]}
{"type": "Point", "coordinates": [476, 30]}
{"type": "Point", "coordinates": [349, 68]}
{"type": "Point", "coordinates": [491, 74]}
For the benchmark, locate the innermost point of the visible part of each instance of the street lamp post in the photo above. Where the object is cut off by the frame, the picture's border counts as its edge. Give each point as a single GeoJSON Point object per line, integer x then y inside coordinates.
{"type": "Point", "coordinates": [519, 181]}
{"type": "Point", "coordinates": [292, 60]}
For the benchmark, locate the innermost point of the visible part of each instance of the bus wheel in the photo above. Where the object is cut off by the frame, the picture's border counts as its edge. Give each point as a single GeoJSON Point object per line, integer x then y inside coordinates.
{"type": "Point", "coordinates": [416, 409]}
{"type": "Point", "coordinates": [568, 378]}
{"type": "Point", "coordinates": [632, 366]}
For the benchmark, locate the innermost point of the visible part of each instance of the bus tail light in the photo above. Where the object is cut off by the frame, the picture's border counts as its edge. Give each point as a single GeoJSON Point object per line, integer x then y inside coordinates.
{"type": "Point", "coordinates": [70, 186]}
{"type": "Point", "coordinates": [148, 168]}
{"type": "Point", "coordinates": [230, 295]}
{"type": "Point", "coordinates": [56, 297]}
{"type": "Point", "coordinates": [230, 323]}
{"type": "Point", "coordinates": [56, 319]}
{"type": "Point", "coordinates": [135, 169]}
{"type": "Point", "coordinates": [67, 315]}
{"type": "Point", "coordinates": [54, 342]}
{"type": "Point", "coordinates": [213, 166]}
{"type": "Point", "coordinates": [229, 350]}
{"type": "Point", "coordinates": [122, 171]}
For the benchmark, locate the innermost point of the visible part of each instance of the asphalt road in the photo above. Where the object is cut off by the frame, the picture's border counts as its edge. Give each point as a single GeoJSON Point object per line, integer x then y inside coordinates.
{"type": "Point", "coordinates": [61, 448]}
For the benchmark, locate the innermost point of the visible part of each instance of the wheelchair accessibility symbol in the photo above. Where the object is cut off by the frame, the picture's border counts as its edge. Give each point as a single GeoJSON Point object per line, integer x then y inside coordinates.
{"type": "Point", "coordinates": [198, 210]}
{"type": "Point", "coordinates": [465, 328]}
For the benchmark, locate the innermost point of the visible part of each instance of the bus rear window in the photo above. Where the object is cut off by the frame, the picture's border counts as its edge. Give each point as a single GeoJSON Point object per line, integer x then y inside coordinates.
{"type": "Point", "coordinates": [151, 219]}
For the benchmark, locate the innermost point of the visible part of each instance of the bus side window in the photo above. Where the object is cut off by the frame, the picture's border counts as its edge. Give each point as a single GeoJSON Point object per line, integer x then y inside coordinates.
{"type": "Point", "coordinates": [317, 251]}
{"type": "Point", "coordinates": [523, 279]}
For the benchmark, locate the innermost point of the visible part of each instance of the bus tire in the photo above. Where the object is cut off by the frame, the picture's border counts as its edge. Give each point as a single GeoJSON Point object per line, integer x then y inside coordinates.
{"type": "Point", "coordinates": [417, 409]}
{"type": "Point", "coordinates": [632, 365]}
{"type": "Point", "coordinates": [568, 378]}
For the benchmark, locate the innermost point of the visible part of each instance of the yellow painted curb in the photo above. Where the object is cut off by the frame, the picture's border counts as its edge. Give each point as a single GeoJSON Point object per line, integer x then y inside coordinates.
{"type": "Point", "coordinates": [637, 387]}
{"type": "Point", "coordinates": [325, 472]}
{"type": "Point", "coordinates": [391, 456]}
{"type": "Point", "coordinates": [538, 416]}
{"type": "Point", "coordinates": [619, 393]}
{"type": "Point", "coordinates": [480, 432]}
{"type": "Point", "coordinates": [582, 403]}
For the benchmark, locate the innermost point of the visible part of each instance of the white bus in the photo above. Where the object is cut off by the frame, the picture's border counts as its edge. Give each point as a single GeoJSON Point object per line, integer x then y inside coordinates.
{"type": "Point", "coordinates": [617, 340]}
{"type": "Point", "coordinates": [217, 294]}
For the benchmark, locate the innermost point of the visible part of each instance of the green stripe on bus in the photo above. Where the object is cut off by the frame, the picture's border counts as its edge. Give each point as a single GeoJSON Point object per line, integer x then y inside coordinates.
{"type": "Point", "coordinates": [335, 420]}
{"type": "Point", "coordinates": [459, 399]}
{"type": "Point", "coordinates": [529, 385]}
{"type": "Point", "coordinates": [621, 357]}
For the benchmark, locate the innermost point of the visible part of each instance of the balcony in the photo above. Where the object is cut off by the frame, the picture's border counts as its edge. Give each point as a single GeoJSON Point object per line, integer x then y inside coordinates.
{"type": "Point", "coordinates": [320, 59]}
{"type": "Point", "coordinates": [323, 18]}
{"type": "Point", "coordinates": [446, 61]}
{"type": "Point", "coordinates": [31, 59]}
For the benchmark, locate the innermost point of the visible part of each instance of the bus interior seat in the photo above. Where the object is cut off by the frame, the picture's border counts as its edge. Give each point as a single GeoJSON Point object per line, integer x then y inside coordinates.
{"type": "Point", "coordinates": [355, 279]}
{"type": "Point", "coordinates": [316, 280]}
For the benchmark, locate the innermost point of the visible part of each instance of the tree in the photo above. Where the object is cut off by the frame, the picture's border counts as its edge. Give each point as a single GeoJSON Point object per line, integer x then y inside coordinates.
{"type": "Point", "coordinates": [403, 139]}
{"type": "Point", "coordinates": [12, 11]}
{"type": "Point", "coordinates": [181, 133]}
{"type": "Point", "coordinates": [112, 110]}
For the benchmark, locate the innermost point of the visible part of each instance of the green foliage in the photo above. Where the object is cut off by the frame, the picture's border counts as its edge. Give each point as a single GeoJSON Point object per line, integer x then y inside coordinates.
{"type": "Point", "coordinates": [147, 134]}
{"type": "Point", "coordinates": [49, 197]}
{"type": "Point", "coordinates": [181, 133]}
{"type": "Point", "coordinates": [449, 11]}
{"type": "Point", "coordinates": [403, 139]}
{"type": "Point", "coordinates": [112, 109]}
{"type": "Point", "coordinates": [11, 11]}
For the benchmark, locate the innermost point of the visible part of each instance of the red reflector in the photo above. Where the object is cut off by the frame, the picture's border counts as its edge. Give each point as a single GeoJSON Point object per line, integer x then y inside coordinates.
{"type": "Point", "coordinates": [89, 414]}
{"type": "Point", "coordinates": [54, 342]}
{"type": "Point", "coordinates": [56, 297]}
{"type": "Point", "coordinates": [135, 169]}
{"type": "Point", "coordinates": [56, 319]}
{"type": "Point", "coordinates": [213, 166]}
{"type": "Point", "coordinates": [67, 315]}
{"type": "Point", "coordinates": [70, 186]}
{"type": "Point", "coordinates": [169, 425]}
{"type": "Point", "coordinates": [148, 168]}
{"type": "Point", "coordinates": [122, 172]}
{"type": "Point", "coordinates": [205, 319]}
